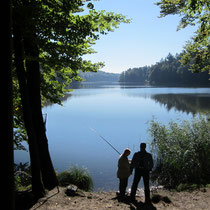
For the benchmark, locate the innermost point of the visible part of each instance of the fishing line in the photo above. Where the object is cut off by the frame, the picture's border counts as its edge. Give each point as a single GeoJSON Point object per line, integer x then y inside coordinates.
{"type": "Point", "coordinates": [92, 129]}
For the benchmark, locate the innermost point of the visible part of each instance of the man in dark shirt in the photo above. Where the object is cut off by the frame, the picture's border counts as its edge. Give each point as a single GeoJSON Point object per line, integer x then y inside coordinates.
{"type": "Point", "coordinates": [143, 163]}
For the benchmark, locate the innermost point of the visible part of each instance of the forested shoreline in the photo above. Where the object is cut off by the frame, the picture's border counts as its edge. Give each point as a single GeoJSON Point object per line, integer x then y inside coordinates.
{"type": "Point", "coordinates": [168, 71]}
{"type": "Point", "coordinates": [99, 76]}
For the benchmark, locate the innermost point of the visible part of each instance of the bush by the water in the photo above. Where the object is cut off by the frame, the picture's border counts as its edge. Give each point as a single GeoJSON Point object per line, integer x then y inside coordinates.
{"type": "Point", "coordinates": [181, 152]}
{"type": "Point", "coordinates": [77, 176]}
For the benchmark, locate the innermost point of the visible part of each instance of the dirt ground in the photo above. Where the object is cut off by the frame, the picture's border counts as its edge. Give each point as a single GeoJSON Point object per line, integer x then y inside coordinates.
{"type": "Point", "coordinates": [198, 199]}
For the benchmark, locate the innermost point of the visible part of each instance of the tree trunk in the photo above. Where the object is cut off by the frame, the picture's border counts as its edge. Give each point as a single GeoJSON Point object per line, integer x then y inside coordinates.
{"type": "Point", "coordinates": [37, 185]}
{"type": "Point", "coordinates": [8, 175]}
{"type": "Point", "coordinates": [33, 78]}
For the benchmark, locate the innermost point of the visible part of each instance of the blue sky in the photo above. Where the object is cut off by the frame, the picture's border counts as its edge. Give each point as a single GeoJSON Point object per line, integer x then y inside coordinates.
{"type": "Point", "coordinates": [144, 41]}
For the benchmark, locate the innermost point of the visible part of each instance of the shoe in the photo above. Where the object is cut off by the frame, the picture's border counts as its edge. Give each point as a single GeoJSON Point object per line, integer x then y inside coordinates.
{"type": "Point", "coordinates": [133, 200]}
{"type": "Point", "coordinates": [122, 198]}
{"type": "Point", "coordinates": [147, 201]}
{"type": "Point", "coordinates": [117, 193]}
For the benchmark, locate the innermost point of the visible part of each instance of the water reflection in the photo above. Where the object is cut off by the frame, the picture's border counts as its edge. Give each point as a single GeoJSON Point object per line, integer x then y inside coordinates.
{"type": "Point", "coordinates": [188, 100]}
{"type": "Point", "coordinates": [94, 85]}
{"type": "Point", "coordinates": [189, 103]}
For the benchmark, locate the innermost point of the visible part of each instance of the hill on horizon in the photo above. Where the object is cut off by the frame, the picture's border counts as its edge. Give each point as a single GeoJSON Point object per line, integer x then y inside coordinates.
{"type": "Point", "coordinates": [99, 76]}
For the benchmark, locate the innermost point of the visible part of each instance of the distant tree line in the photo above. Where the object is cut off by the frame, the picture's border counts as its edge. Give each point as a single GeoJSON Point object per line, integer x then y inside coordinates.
{"type": "Point", "coordinates": [168, 71]}
{"type": "Point", "coordinates": [99, 76]}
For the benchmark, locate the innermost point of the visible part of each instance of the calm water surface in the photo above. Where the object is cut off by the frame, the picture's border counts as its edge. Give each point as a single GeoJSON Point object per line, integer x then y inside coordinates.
{"type": "Point", "coordinates": [121, 114]}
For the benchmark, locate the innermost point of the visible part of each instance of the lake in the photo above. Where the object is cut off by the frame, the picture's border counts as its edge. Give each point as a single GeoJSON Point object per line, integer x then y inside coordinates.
{"type": "Point", "coordinates": [119, 113]}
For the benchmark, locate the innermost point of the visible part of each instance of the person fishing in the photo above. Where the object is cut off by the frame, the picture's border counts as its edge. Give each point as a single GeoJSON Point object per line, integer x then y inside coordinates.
{"type": "Point", "coordinates": [143, 163]}
{"type": "Point", "coordinates": [123, 172]}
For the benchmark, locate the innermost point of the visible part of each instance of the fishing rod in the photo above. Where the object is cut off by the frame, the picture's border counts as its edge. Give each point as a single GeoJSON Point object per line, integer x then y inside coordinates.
{"type": "Point", "coordinates": [105, 140]}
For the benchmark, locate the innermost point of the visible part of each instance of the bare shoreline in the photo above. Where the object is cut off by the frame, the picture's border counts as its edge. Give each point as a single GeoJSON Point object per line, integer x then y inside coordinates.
{"type": "Point", "coordinates": [197, 199]}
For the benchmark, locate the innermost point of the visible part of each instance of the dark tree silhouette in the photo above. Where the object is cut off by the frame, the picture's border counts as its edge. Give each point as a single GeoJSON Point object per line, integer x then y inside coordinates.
{"type": "Point", "coordinates": [8, 177]}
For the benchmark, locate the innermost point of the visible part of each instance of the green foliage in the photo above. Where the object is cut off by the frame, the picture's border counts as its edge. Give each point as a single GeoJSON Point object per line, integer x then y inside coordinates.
{"type": "Point", "coordinates": [63, 32]}
{"type": "Point", "coordinates": [22, 176]}
{"type": "Point", "coordinates": [64, 35]}
{"type": "Point", "coordinates": [182, 152]}
{"type": "Point", "coordinates": [99, 76]}
{"type": "Point", "coordinates": [208, 185]}
{"type": "Point", "coordinates": [77, 176]}
{"type": "Point", "coordinates": [137, 75]}
{"type": "Point", "coordinates": [191, 187]}
{"type": "Point", "coordinates": [168, 71]}
{"type": "Point", "coordinates": [192, 12]}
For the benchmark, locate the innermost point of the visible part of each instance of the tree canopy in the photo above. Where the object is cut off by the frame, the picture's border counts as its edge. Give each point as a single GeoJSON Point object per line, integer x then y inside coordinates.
{"type": "Point", "coordinates": [168, 71]}
{"type": "Point", "coordinates": [64, 31]}
{"type": "Point", "coordinates": [195, 13]}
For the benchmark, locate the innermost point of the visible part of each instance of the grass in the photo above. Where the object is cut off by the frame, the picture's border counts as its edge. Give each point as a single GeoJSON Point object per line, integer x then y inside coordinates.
{"type": "Point", "coordinates": [182, 153]}
{"type": "Point", "coordinates": [77, 176]}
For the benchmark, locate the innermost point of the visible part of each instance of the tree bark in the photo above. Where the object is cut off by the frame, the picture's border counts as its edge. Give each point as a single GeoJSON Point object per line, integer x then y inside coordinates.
{"type": "Point", "coordinates": [37, 185]}
{"type": "Point", "coordinates": [33, 84]}
{"type": "Point", "coordinates": [8, 176]}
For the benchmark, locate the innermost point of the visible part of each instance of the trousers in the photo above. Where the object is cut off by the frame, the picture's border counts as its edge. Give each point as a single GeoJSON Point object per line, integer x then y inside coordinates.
{"type": "Point", "coordinates": [137, 177]}
{"type": "Point", "coordinates": [122, 186]}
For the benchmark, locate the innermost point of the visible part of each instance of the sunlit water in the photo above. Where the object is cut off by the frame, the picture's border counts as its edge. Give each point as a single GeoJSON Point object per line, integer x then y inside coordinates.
{"type": "Point", "coordinates": [121, 114]}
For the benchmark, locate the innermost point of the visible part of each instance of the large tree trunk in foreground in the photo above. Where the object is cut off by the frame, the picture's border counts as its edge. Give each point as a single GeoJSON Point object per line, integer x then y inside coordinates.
{"type": "Point", "coordinates": [33, 84]}
{"type": "Point", "coordinates": [37, 186]}
{"type": "Point", "coordinates": [8, 175]}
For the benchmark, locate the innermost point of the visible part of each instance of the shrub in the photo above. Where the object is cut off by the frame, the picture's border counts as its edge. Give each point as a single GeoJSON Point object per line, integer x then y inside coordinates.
{"type": "Point", "coordinates": [22, 176]}
{"type": "Point", "coordinates": [77, 176]}
{"type": "Point", "coordinates": [181, 152]}
{"type": "Point", "coordinates": [190, 187]}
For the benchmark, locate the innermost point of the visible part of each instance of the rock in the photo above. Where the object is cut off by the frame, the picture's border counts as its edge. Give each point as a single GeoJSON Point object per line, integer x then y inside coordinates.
{"type": "Point", "coordinates": [71, 190]}
{"type": "Point", "coordinates": [166, 199]}
{"type": "Point", "coordinates": [203, 190]}
{"type": "Point", "coordinates": [156, 198]}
